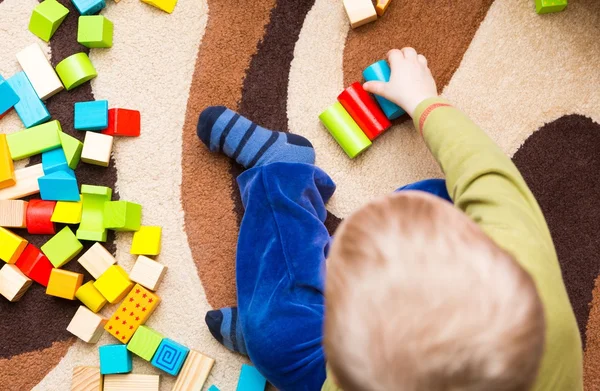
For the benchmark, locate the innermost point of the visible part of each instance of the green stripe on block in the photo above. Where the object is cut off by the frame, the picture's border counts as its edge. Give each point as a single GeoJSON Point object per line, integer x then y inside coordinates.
{"type": "Point", "coordinates": [35, 140]}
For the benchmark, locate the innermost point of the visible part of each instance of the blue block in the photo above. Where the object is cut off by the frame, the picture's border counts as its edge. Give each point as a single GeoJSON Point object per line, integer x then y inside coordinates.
{"type": "Point", "coordinates": [89, 7]}
{"type": "Point", "coordinates": [91, 115]}
{"type": "Point", "coordinates": [30, 108]}
{"type": "Point", "coordinates": [214, 388]}
{"type": "Point", "coordinates": [251, 379]}
{"type": "Point", "coordinates": [114, 359]}
{"type": "Point", "coordinates": [8, 97]}
{"type": "Point", "coordinates": [54, 160]}
{"type": "Point", "coordinates": [59, 186]}
{"type": "Point", "coordinates": [380, 71]}
{"type": "Point", "coordinates": [170, 356]}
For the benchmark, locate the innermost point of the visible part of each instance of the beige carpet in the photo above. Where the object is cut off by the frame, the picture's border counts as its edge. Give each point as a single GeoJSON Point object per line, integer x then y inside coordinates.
{"type": "Point", "coordinates": [282, 62]}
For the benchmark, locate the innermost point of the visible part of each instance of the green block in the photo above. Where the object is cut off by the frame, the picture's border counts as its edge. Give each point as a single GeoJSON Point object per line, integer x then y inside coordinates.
{"type": "Point", "coordinates": [75, 70]}
{"type": "Point", "coordinates": [72, 148]}
{"type": "Point", "coordinates": [122, 216]}
{"type": "Point", "coordinates": [95, 31]}
{"type": "Point", "coordinates": [35, 140]}
{"type": "Point", "coordinates": [46, 18]}
{"type": "Point", "coordinates": [345, 130]}
{"type": "Point", "coordinates": [63, 247]}
{"type": "Point", "coordinates": [92, 213]}
{"type": "Point", "coordinates": [549, 6]}
{"type": "Point", "coordinates": [144, 342]}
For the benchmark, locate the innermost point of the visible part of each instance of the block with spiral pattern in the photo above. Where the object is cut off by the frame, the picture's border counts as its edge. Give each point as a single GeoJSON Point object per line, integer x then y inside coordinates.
{"type": "Point", "coordinates": [170, 356]}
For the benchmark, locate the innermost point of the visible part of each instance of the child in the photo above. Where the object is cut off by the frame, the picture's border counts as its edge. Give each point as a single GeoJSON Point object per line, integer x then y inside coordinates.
{"type": "Point", "coordinates": [420, 294]}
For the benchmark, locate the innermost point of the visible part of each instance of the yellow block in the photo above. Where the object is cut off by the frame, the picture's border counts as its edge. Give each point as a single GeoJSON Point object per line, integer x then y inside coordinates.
{"type": "Point", "coordinates": [132, 313]}
{"type": "Point", "coordinates": [89, 295]}
{"type": "Point", "coordinates": [165, 5]}
{"type": "Point", "coordinates": [64, 283]}
{"type": "Point", "coordinates": [67, 212]}
{"type": "Point", "coordinates": [11, 246]}
{"type": "Point", "coordinates": [114, 284]}
{"type": "Point", "coordinates": [146, 241]}
{"type": "Point", "coordinates": [7, 170]}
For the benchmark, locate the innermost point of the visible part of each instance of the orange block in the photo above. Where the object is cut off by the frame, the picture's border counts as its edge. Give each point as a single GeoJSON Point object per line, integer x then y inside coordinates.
{"type": "Point", "coordinates": [132, 313]}
{"type": "Point", "coordinates": [7, 170]}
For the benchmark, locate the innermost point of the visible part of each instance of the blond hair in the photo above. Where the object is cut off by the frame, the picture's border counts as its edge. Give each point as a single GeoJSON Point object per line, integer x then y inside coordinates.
{"type": "Point", "coordinates": [418, 298]}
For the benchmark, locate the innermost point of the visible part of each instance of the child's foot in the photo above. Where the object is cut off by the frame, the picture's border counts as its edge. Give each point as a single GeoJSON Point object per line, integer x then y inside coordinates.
{"type": "Point", "coordinates": [410, 83]}
{"type": "Point", "coordinates": [224, 325]}
{"type": "Point", "coordinates": [223, 130]}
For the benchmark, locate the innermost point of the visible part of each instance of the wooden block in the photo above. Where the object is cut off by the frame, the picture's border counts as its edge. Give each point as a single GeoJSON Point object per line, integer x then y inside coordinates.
{"type": "Point", "coordinates": [251, 379]}
{"type": "Point", "coordinates": [54, 160]}
{"type": "Point", "coordinates": [13, 283]}
{"type": "Point", "coordinates": [64, 284]}
{"type": "Point", "coordinates": [39, 215]}
{"type": "Point", "coordinates": [122, 216]}
{"type": "Point", "coordinates": [133, 312]}
{"type": "Point", "coordinates": [95, 31]}
{"type": "Point", "coordinates": [89, 7]}
{"type": "Point", "coordinates": [8, 97]}
{"type": "Point", "coordinates": [72, 149]}
{"type": "Point", "coordinates": [62, 247]}
{"type": "Point", "coordinates": [360, 12]}
{"type": "Point", "coordinates": [35, 265]}
{"type": "Point", "coordinates": [76, 70]}
{"type": "Point", "coordinates": [114, 359]}
{"type": "Point", "coordinates": [382, 6]}
{"type": "Point", "coordinates": [11, 246]}
{"type": "Point", "coordinates": [147, 272]}
{"type": "Point", "coordinates": [170, 356]}
{"type": "Point", "coordinates": [146, 241]}
{"type": "Point", "coordinates": [13, 213]}
{"type": "Point", "coordinates": [97, 148]}
{"type": "Point", "coordinates": [90, 297]}
{"type": "Point", "coordinates": [165, 5]}
{"type": "Point", "coordinates": [144, 342]}
{"type": "Point", "coordinates": [59, 186]}
{"type": "Point", "coordinates": [96, 260]}
{"type": "Point", "coordinates": [194, 373]}
{"type": "Point", "coordinates": [213, 388]}
{"type": "Point", "coordinates": [27, 183]}
{"type": "Point", "coordinates": [131, 382]}
{"type": "Point", "coordinates": [7, 170]}
{"type": "Point", "coordinates": [30, 108]}
{"type": "Point", "coordinates": [92, 213]}
{"type": "Point", "coordinates": [87, 325]}
{"type": "Point", "coordinates": [40, 73]}
{"type": "Point", "coordinates": [46, 18]}
{"type": "Point", "coordinates": [548, 6]}
{"type": "Point", "coordinates": [91, 115]}
{"type": "Point", "coordinates": [67, 212]}
{"type": "Point", "coordinates": [114, 284]}
{"type": "Point", "coordinates": [86, 379]}
{"type": "Point", "coordinates": [123, 122]}
{"type": "Point", "coordinates": [35, 140]}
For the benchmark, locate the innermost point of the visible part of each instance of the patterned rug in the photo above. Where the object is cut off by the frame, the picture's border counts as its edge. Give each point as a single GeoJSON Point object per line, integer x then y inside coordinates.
{"type": "Point", "coordinates": [531, 82]}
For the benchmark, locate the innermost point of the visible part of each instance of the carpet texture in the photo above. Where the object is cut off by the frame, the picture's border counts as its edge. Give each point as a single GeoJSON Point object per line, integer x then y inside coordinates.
{"type": "Point", "coordinates": [531, 82]}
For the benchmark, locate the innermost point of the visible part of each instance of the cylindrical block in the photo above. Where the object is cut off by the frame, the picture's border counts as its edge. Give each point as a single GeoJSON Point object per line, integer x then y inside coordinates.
{"type": "Point", "coordinates": [380, 71]}
{"type": "Point", "coordinates": [345, 130]}
{"type": "Point", "coordinates": [363, 109]}
{"type": "Point", "coordinates": [39, 215]}
{"type": "Point", "coordinates": [75, 70]}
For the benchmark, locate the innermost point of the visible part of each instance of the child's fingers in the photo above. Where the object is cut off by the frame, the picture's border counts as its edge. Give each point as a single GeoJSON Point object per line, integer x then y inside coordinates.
{"type": "Point", "coordinates": [376, 87]}
{"type": "Point", "coordinates": [394, 57]}
{"type": "Point", "coordinates": [422, 59]}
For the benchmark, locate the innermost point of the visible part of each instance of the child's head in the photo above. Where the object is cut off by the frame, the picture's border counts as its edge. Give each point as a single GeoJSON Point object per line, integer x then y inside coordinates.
{"type": "Point", "coordinates": [418, 298]}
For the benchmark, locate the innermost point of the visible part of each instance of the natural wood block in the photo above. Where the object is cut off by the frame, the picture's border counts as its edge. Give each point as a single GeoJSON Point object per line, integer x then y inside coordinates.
{"type": "Point", "coordinates": [7, 169]}
{"type": "Point", "coordinates": [40, 73]}
{"type": "Point", "coordinates": [97, 148]}
{"type": "Point", "coordinates": [133, 312]}
{"type": "Point", "coordinates": [11, 246]}
{"type": "Point", "coordinates": [27, 183]}
{"type": "Point", "coordinates": [114, 284]}
{"type": "Point", "coordinates": [131, 382]}
{"type": "Point", "coordinates": [64, 284]}
{"type": "Point", "coordinates": [147, 272]}
{"type": "Point", "coordinates": [86, 379]}
{"type": "Point", "coordinates": [97, 260]}
{"type": "Point", "coordinates": [87, 325]}
{"type": "Point", "coordinates": [382, 6]}
{"type": "Point", "coordinates": [360, 12]}
{"type": "Point", "coordinates": [13, 213]}
{"type": "Point", "coordinates": [13, 283]}
{"type": "Point", "coordinates": [194, 373]}
{"type": "Point", "coordinates": [91, 297]}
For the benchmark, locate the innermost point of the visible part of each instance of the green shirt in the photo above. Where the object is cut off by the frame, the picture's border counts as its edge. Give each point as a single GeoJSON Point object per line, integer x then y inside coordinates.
{"type": "Point", "coordinates": [485, 184]}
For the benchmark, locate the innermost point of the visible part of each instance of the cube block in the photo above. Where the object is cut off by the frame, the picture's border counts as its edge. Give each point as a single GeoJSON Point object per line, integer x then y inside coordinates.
{"type": "Point", "coordinates": [95, 31]}
{"type": "Point", "coordinates": [90, 297]}
{"type": "Point", "coordinates": [122, 216]}
{"type": "Point", "coordinates": [89, 7]}
{"type": "Point", "coordinates": [123, 122]}
{"type": "Point", "coordinates": [91, 115]}
{"type": "Point", "coordinates": [59, 186]}
{"type": "Point", "coordinates": [67, 212]}
{"type": "Point", "coordinates": [46, 18]}
{"type": "Point", "coordinates": [146, 241]}
{"type": "Point", "coordinates": [97, 149]}
{"type": "Point", "coordinates": [165, 5]}
{"type": "Point", "coordinates": [92, 213]}
{"type": "Point", "coordinates": [87, 379]}
{"type": "Point", "coordinates": [115, 359]}
{"type": "Point", "coordinates": [63, 247]}
{"type": "Point", "coordinates": [145, 342]}
{"type": "Point", "coordinates": [39, 217]}
{"type": "Point", "coordinates": [35, 140]}
{"type": "Point", "coordinates": [97, 260]}
{"type": "Point", "coordinates": [64, 284]}
{"type": "Point", "coordinates": [170, 356]}
{"type": "Point", "coordinates": [13, 283]}
{"type": "Point", "coordinates": [360, 12]}
{"type": "Point", "coordinates": [31, 110]}
{"type": "Point", "coordinates": [8, 96]}
{"type": "Point", "coordinates": [87, 325]}
{"type": "Point", "coordinates": [40, 73]}
{"type": "Point", "coordinates": [194, 373]}
{"type": "Point", "coordinates": [27, 183]}
{"type": "Point", "coordinates": [114, 284]}
{"type": "Point", "coordinates": [250, 379]}
{"type": "Point", "coordinates": [72, 149]}
{"type": "Point", "coordinates": [75, 70]}
{"type": "Point", "coordinates": [13, 213]}
{"type": "Point", "coordinates": [133, 312]}
{"type": "Point", "coordinates": [147, 272]}
{"type": "Point", "coordinates": [54, 160]}
{"type": "Point", "coordinates": [7, 169]}
{"type": "Point", "coordinates": [11, 246]}
{"type": "Point", "coordinates": [35, 265]}
{"type": "Point", "coordinates": [548, 6]}
{"type": "Point", "coordinates": [131, 382]}
{"type": "Point", "coordinates": [382, 6]}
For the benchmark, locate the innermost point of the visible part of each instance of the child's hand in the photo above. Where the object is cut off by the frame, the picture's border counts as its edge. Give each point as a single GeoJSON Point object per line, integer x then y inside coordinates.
{"type": "Point", "coordinates": [410, 82]}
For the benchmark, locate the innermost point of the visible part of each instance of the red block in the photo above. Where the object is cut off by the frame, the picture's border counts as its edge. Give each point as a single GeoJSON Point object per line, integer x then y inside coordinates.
{"type": "Point", "coordinates": [38, 217]}
{"type": "Point", "coordinates": [364, 110]}
{"type": "Point", "coordinates": [35, 265]}
{"type": "Point", "coordinates": [123, 122]}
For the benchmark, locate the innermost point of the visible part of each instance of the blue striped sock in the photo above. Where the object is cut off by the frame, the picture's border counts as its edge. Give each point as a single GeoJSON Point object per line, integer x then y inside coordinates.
{"type": "Point", "coordinates": [224, 130]}
{"type": "Point", "coordinates": [225, 326]}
